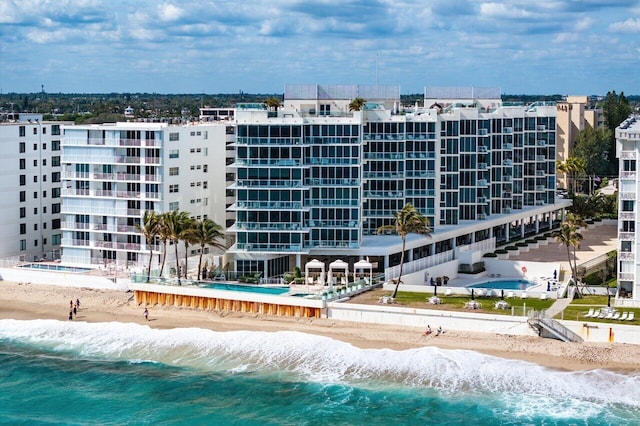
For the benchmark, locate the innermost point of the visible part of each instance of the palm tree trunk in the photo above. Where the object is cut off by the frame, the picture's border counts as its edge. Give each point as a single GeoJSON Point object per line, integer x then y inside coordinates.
{"type": "Point", "coordinates": [175, 246]}
{"type": "Point", "coordinates": [164, 256]}
{"type": "Point", "coordinates": [186, 258]}
{"type": "Point", "coordinates": [200, 261]}
{"type": "Point", "coordinates": [395, 291]}
{"type": "Point", "coordinates": [575, 265]}
{"type": "Point", "coordinates": [149, 268]}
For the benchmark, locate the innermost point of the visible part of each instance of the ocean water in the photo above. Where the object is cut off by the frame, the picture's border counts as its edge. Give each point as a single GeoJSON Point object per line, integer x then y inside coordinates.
{"type": "Point", "coordinates": [57, 372]}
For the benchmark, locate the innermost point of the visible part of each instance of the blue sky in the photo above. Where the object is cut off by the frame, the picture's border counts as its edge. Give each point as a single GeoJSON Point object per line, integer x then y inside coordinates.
{"type": "Point", "coordinates": [224, 46]}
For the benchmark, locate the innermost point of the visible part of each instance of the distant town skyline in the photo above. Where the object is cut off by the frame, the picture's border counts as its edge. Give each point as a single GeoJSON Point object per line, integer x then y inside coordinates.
{"type": "Point", "coordinates": [542, 47]}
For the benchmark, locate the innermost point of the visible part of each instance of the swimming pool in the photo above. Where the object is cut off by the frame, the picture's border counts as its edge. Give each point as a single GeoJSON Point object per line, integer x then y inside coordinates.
{"type": "Point", "coordinates": [247, 288]}
{"type": "Point", "coordinates": [504, 285]}
{"type": "Point", "coordinates": [55, 268]}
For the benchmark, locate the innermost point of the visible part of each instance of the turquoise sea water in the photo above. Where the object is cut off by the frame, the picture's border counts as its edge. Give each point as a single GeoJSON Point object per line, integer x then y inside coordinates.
{"type": "Point", "coordinates": [55, 372]}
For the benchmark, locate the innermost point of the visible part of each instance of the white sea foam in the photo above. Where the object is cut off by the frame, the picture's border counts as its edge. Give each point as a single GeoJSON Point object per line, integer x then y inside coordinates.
{"type": "Point", "coordinates": [324, 360]}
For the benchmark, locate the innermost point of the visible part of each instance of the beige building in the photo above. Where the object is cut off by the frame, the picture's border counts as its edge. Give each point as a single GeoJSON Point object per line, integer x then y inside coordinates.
{"type": "Point", "coordinates": [574, 114]}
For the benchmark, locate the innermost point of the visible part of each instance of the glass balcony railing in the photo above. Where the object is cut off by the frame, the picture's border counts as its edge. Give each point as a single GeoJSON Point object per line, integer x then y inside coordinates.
{"type": "Point", "coordinates": [332, 182]}
{"type": "Point", "coordinates": [383, 175]}
{"type": "Point", "coordinates": [256, 247]}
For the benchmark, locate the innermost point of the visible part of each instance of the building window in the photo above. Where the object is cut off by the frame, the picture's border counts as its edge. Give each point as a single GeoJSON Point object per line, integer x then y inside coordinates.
{"type": "Point", "coordinates": [55, 224]}
{"type": "Point", "coordinates": [23, 180]}
{"type": "Point", "coordinates": [35, 243]}
{"type": "Point", "coordinates": [35, 179]}
{"type": "Point", "coordinates": [23, 245]}
{"type": "Point", "coordinates": [56, 239]}
{"type": "Point", "coordinates": [23, 131]}
{"type": "Point", "coordinates": [35, 130]}
{"type": "Point", "coordinates": [44, 162]}
{"type": "Point", "coordinates": [22, 147]}
{"type": "Point", "coordinates": [174, 153]}
{"type": "Point", "coordinates": [173, 188]}
{"type": "Point", "coordinates": [44, 130]}
{"type": "Point", "coordinates": [173, 171]}
{"type": "Point", "coordinates": [55, 145]}
{"type": "Point", "coordinates": [174, 137]}
{"type": "Point", "coordinates": [35, 163]}
{"type": "Point", "coordinates": [55, 177]}
{"type": "Point", "coordinates": [23, 196]}
{"type": "Point", "coordinates": [23, 212]}
{"type": "Point", "coordinates": [55, 129]}
{"type": "Point", "coordinates": [627, 205]}
{"type": "Point", "coordinates": [35, 195]}
{"type": "Point", "coordinates": [205, 184]}
{"type": "Point", "coordinates": [44, 146]}
{"type": "Point", "coordinates": [55, 161]}
{"type": "Point", "coordinates": [23, 164]}
{"type": "Point", "coordinates": [23, 228]}
{"type": "Point", "coordinates": [44, 193]}
{"type": "Point", "coordinates": [44, 178]}
{"type": "Point", "coordinates": [174, 205]}
{"type": "Point", "coordinates": [205, 168]}
{"type": "Point", "coordinates": [35, 210]}
{"type": "Point", "coordinates": [35, 146]}
{"type": "Point", "coordinates": [35, 226]}
{"type": "Point", "coordinates": [44, 210]}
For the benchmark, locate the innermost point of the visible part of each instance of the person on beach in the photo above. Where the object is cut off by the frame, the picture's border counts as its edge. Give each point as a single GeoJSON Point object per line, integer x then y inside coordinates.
{"type": "Point", "coordinates": [75, 310]}
{"type": "Point", "coordinates": [428, 331]}
{"type": "Point", "coordinates": [71, 304]}
{"type": "Point", "coordinates": [146, 314]}
{"type": "Point", "coordinates": [78, 304]}
{"type": "Point", "coordinates": [70, 314]}
{"type": "Point", "coordinates": [440, 331]}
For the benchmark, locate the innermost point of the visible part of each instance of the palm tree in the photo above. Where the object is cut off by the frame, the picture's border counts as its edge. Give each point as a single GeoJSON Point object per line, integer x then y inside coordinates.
{"type": "Point", "coordinates": [273, 103]}
{"type": "Point", "coordinates": [357, 104]}
{"type": "Point", "coordinates": [164, 234]}
{"type": "Point", "coordinates": [570, 236]}
{"type": "Point", "coordinates": [407, 221]}
{"type": "Point", "coordinates": [572, 167]}
{"type": "Point", "coordinates": [149, 229]}
{"type": "Point", "coordinates": [174, 221]}
{"type": "Point", "coordinates": [187, 235]}
{"type": "Point", "coordinates": [207, 233]}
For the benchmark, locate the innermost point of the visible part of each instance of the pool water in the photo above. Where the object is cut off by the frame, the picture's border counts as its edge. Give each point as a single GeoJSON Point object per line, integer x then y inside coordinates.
{"type": "Point", "coordinates": [504, 285]}
{"type": "Point", "coordinates": [55, 268]}
{"type": "Point", "coordinates": [247, 288]}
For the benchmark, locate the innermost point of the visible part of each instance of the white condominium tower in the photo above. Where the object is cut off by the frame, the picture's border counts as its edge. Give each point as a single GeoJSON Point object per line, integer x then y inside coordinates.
{"type": "Point", "coordinates": [112, 173]}
{"type": "Point", "coordinates": [30, 186]}
{"type": "Point", "coordinates": [628, 152]}
{"type": "Point", "coordinates": [316, 180]}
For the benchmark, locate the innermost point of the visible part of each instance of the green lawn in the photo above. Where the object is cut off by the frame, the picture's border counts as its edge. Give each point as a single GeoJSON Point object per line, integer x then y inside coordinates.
{"type": "Point", "coordinates": [580, 307]}
{"type": "Point", "coordinates": [457, 302]}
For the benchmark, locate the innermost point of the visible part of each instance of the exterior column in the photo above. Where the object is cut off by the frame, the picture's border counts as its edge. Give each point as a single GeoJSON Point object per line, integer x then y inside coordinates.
{"type": "Point", "coordinates": [537, 224]}
{"type": "Point", "coordinates": [386, 261]}
{"type": "Point", "coordinates": [550, 220]}
{"type": "Point", "coordinates": [521, 228]}
{"type": "Point", "coordinates": [507, 227]}
{"type": "Point", "coordinates": [299, 261]}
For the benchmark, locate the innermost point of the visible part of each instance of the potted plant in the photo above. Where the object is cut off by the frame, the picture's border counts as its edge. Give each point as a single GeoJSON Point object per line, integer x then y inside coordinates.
{"type": "Point", "coordinates": [438, 281]}
{"type": "Point", "coordinates": [445, 279]}
{"type": "Point", "coordinates": [502, 254]}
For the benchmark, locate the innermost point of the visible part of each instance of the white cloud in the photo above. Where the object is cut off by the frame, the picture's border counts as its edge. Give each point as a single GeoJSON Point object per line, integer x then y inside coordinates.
{"type": "Point", "coordinates": [501, 10]}
{"type": "Point", "coordinates": [168, 12]}
{"type": "Point", "coordinates": [584, 24]}
{"type": "Point", "coordinates": [631, 25]}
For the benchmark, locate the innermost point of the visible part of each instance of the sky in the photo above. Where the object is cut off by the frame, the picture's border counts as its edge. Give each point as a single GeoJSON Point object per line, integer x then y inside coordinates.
{"type": "Point", "coordinates": [537, 47]}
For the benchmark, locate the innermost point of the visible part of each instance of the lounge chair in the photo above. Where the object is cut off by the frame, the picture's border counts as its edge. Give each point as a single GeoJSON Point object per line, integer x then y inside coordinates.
{"type": "Point", "coordinates": [609, 315]}
{"type": "Point", "coordinates": [631, 316]}
{"type": "Point", "coordinates": [602, 314]}
{"type": "Point", "coordinates": [511, 294]}
{"type": "Point", "coordinates": [523, 295]}
{"type": "Point", "coordinates": [543, 296]}
{"type": "Point", "coordinates": [596, 313]}
{"type": "Point", "coordinates": [589, 314]}
{"type": "Point", "coordinates": [616, 316]}
{"type": "Point", "coordinates": [624, 316]}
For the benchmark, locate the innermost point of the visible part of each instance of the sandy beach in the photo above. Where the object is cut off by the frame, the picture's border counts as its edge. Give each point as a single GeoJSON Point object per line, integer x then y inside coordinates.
{"type": "Point", "coordinates": [32, 301]}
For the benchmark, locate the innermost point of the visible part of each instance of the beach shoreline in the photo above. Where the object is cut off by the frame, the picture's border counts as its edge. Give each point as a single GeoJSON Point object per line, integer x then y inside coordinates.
{"type": "Point", "coordinates": [23, 301]}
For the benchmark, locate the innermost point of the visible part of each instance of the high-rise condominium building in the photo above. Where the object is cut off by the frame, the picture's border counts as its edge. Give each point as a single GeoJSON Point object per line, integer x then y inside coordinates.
{"type": "Point", "coordinates": [30, 186]}
{"type": "Point", "coordinates": [316, 179]}
{"type": "Point", "coordinates": [113, 173]}
{"type": "Point", "coordinates": [628, 152]}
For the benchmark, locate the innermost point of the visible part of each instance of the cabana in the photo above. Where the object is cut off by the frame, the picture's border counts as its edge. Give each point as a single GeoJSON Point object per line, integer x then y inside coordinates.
{"type": "Point", "coordinates": [363, 266]}
{"type": "Point", "coordinates": [339, 265]}
{"type": "Point", "coordinates": [314, 264]}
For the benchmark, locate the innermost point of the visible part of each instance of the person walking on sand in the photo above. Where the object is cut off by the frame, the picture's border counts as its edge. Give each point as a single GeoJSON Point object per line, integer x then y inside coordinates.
{"type": "Point", "coordinates": [146, 314]}
{"type": "Point", "coordinates": [428, 331]}
{"type": "Point", "coordinates": [78, 304]}
{"type": "Point", "coordinates": [70, 314]}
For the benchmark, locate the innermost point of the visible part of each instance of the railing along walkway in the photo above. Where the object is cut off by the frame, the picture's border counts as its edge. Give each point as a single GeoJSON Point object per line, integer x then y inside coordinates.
{"type": "Point", "coordinates": [539, 321]}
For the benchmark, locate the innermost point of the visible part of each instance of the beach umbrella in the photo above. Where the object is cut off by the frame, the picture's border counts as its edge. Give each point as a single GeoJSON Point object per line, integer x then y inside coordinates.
{"type": "Point", "coordinates": [501, 294]}
{"type": "Point", "coordinates": [548, 285]}
{"type": "Point", "coordinates": [555, 274]}
{"type": "Point", "coordinates": [472, 295]}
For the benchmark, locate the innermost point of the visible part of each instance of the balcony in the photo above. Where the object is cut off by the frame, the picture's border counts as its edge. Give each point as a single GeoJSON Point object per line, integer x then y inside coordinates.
{"type": "Point", "coordinates": [269, 205]}
{"type": "Point", "coordinates": [420, 192]}
{"type": "Point", "coordinates": [540, 203]}
{"type": "Point", "coordinates": [507, 162]}
{"type": "Point", "coordinates": [627, 216]}
{"type": "Point", "coordinates": [255, 247]}
{"type": "Point", "coordinates": [483, 149]}
{"type": "Point", "coordinates": [383, 175]}
{"type": "Point", "coordinates": [482, 166]}
{"type": "Point", "coordinates": [482, 216]}
{"type": "Point", "coordinates": [332, 182]}
{"type": "Point", "coordinates": [507, 146]}
{"type": "Point", "coordinates": [541, 158]}
{"type": "Point", "coordinates": [541, 188]}
{"type": "Point", "coordinates": [626, 276]}
{"type": "Point", "coordinates": [626, 255]}
{"type": "Point", "coordinates": [482, 183]}
{"type": "Point", "coordinates": [627, 155]}
{"type": "Point", "coordinates": [541, 143]}
{"type": "Point", "coordinates": [627, 195]}
{"type": "Point", "coordinates": [506, 178]}
{"type": "Point", "coordinates": [421, 173]}
{"type": "Point", "coordinates": [627, 175]}
{"type": "Point", "coordinates": [540, 173]}
{"type": "Point", "coordinates": [506, 210]}
{"type": "Point", "coordinates": [256, 183]}
{"type": "Point", "coordinates": [628, 236]}
{"type": "Point", "coordinates": [258, 226]}
{"type": "Point", "coordinates": [541, 128]}
{"type": "Point", "coordinates": [507, 130]}
{"type": "Point", "coordinates": [482, 200]}
{"type": "Point", "coordinates": [383, 194]}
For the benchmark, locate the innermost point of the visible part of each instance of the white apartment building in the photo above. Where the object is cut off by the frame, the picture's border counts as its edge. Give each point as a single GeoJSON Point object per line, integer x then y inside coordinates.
{"type": "Point", "coordinates": [112, 173]}
{"type": "Point", "coordinates": [30, 186]}
{"type": "Point", "coordinates": [316, 181]}
{"type": "Point", "coordinates": [628, 152]}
